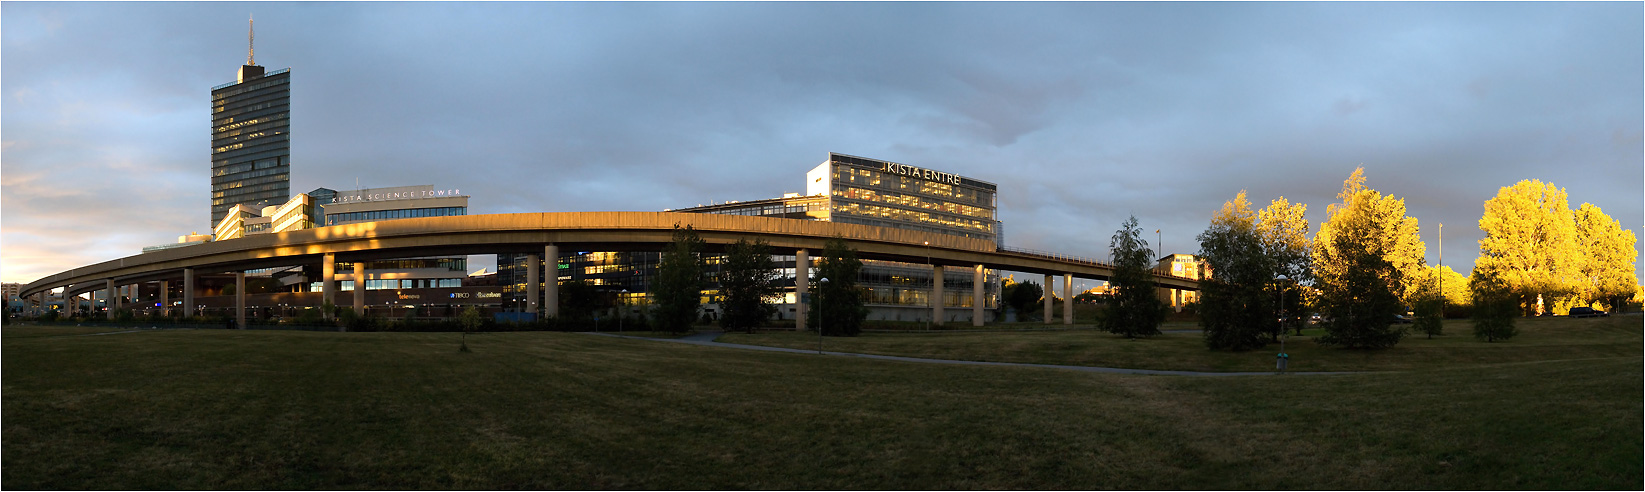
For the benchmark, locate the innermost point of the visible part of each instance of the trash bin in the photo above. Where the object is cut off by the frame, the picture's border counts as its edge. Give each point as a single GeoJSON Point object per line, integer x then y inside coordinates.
{"type": "Point", "coordinates": [1281, 360]}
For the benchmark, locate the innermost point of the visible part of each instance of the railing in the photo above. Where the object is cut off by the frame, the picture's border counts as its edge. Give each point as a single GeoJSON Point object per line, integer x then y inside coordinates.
{"type": "Point", "coordinates": [1078, 259]}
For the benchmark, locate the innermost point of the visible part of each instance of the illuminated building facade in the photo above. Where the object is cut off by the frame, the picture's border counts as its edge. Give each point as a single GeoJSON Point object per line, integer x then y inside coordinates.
{"type": "Point", "coordinates": [888, 194]}
{"type": "Point", "coordinates": [250, 141]}
{"type": "Point", "coordinates": [405, 202]}
{"type": "Point", "coordinates": [1182, 265]}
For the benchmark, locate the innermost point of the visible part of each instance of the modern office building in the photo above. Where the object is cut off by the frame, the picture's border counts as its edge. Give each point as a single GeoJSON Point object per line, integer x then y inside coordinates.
{"type": "Point", "coordinates": [405, 202]}
{"type": "Point", "coordinates": [844, 188]}
{"type": "Point", "coordinates": [250, 140]}
{"type": "Point", "coordinates": [1182, 265]}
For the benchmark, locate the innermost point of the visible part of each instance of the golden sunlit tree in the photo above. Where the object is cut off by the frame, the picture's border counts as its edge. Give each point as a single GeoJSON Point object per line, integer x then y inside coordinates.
{"type": "Point", "coordinates": [1283, 227]}
{"type": "Point", "coordinates": [1368, 262]}
{"type": "Point", "coordinates": [1607, 258]}
{"type": "Point", "coordinates": [1530, 243]}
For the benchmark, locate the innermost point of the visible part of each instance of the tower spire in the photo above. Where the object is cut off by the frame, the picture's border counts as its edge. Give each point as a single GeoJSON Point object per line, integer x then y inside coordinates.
{"type": "Point", "coordinates": [251, 41]}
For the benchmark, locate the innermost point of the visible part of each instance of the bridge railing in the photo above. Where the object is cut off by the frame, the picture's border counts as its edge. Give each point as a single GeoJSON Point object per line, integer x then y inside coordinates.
{"type": "Point", "coordinates": [1078, 259]}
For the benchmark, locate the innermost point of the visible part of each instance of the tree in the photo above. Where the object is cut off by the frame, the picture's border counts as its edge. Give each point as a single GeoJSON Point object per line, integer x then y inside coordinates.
{"type": "Point", "coordinates": [1283, 227]}
{"type": "Point", "coordinates": [1531, 243]}
{"type": "Point", "coordinates": [1367, 257]}
{"type": "Point", "coordinates": [1608, 255]}
{"type": "Point", "coordinates": [837, 304]}
{"type": "Point", "coordinates": [578, 300]}
{"type": "Point", "coordinates": [1233, 308]}
{"type": "Point", "coordinates": [1021, 295]}
{"type": "Point", "coordinates": [748, 285]}
{"type": "Point", "coordinates": [1136, 310]}
{"type": "Point", "coordinates": [1429, 319]}
{"type": "Point", "coordinates": [1454, 285]}
{"type": "Point", "coordinates": [680, 281]}
{"type": "Point", "coordinates": [470, 320]}
{"type": "Point", "coordinates": [1496, 305]}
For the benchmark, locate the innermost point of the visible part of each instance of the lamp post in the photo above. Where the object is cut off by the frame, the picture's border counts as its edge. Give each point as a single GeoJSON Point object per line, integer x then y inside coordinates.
{"type": "Point", "coordinates": [822, 283]}
{"type": "Point", "coordinates": [1282, 334]}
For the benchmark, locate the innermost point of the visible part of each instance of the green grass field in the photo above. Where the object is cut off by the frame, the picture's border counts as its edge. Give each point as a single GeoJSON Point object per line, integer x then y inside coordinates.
{"type": "Point", "coordinates": [219, 409]}
{"type": "Point", "coordinates": [1540, 339]}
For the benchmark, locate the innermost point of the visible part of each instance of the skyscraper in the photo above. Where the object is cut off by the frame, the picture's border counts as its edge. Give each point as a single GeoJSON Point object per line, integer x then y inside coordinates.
{"type": "Point", "coordinates": [250, 139]}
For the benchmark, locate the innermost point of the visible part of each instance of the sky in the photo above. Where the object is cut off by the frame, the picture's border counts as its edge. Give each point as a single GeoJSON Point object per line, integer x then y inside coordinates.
{"type": "Point", "coordinates": [1082, 113]}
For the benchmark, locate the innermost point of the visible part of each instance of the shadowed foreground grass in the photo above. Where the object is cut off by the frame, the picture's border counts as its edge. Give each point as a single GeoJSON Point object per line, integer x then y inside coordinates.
{"type": "Point", "coordinates": [303, 410]}
{"type": "Point", "coordinates": [1540, 339]}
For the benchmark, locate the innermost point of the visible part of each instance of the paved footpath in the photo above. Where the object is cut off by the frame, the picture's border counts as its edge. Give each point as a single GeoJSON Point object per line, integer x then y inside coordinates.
{"type": "Point", "coordinates": [707, 339]}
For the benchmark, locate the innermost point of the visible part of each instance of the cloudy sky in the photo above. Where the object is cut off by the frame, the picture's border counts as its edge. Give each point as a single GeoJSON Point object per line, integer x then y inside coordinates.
{"type": "Point", "coordinates": [1083, 113]}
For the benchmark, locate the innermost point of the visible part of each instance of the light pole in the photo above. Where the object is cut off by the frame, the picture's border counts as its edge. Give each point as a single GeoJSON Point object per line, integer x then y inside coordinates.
{"type": "Point", "coordinates": [929, 311]}
{"type": "Point", "coordinates": [1282, 334]}
{"type": "Point", "coordinates": [822, 284]}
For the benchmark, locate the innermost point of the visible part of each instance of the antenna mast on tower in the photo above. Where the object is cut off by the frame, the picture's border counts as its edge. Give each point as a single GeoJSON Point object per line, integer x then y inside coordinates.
{"type": "Point", "coordinates": [251, 39]}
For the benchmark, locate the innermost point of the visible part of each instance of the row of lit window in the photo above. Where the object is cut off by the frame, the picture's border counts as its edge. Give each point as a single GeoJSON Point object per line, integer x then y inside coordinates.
{"type": "Point", "coordinates": [864, 177]}
{"type": "Point", "coordinates": [253, 121]}
{"type": "Point", "coordinates": [238, 139]}
{"type": "Point", "coordinates": [263, 102]}
{"type": "Point", "coordinates": [277, 143]}
{"type": "Point", "coordinates": [224, 95]}
{"type": "Point", "coordinates": [912, 201]}
{"type": "Point", "coordinates": [914, 216]}
{"type": "Point", "coordinates": [408, 213]}
{"type": "Point", "coordinates": [428, 283]}
{"type": "Point", "coordinates": [774, 209]}
{"type": "Point", "coordinates": [259, 191]}
{"type": "Point", "coordinates": [455, 264]}
{"type": "Point", "coordinates": [225, 189]}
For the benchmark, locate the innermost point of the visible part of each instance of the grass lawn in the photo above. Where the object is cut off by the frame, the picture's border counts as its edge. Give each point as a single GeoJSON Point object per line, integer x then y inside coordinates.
{"type": "Point", "coordinates": [215, 409]}
{"type": "Point", "coordinates": [1540, 339]}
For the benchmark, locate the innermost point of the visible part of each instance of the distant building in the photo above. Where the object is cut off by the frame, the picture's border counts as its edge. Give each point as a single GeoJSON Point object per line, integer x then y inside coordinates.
{"type": "Point", "coordinates": [334, 207]}
{"type": "Point", "coordinates": [240, 220]}
{"type": "Point", "coordinates": [846, 189]}
{"type": "Point", "coordinates": [250, 140]}
{"type": "Point", "coordinates": [1182, 265]}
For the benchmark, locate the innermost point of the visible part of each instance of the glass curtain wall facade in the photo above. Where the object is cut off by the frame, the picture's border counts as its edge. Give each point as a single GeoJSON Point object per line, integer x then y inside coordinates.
{"type": "Point", "coordinates": [251, 141]}
{"type": "Point", "coordinates": [888, 194]}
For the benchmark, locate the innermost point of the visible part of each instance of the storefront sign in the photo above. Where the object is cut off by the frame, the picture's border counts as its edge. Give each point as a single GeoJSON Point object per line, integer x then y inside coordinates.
{"type": "Point", "coordinates": [927, 174]}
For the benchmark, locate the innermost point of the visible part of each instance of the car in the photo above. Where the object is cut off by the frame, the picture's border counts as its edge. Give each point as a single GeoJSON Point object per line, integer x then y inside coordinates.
{"type": "Point", "coordinates": [1402, 319]}
{"type": "Point", "coordinates": [1587, 312]}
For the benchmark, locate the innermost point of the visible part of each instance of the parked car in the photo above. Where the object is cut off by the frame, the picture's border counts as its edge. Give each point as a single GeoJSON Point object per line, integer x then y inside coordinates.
{"type": "Point", "coordinates": [1587, 312]}
{"type": "Point", "coordinates": [1402, 319]}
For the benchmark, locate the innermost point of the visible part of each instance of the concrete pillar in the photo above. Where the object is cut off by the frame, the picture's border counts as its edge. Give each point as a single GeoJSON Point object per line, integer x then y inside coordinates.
{"type": "Point", "coordinates": [531, 291]}
{"type": "Point", "coordinates": [802, 277]}
{"type": "Point", "coordinates": [108, 299]}
{"type": "Point", "coordinates": [1049, 293]}
{"type": "Point", "coordinates": [328, 282]}
{"type": "Point", "coordinates": [551, 269]}
{"type": "Point", "coordinates": [165, 298]}
{"type": "Point", "coordinates": [360, 277]}
{"type": "Point", "coordinates": [240, 300]}
{"type": "Point", "coordinates": [1067, 298]}
{"type": "Point", "coordinates": [977, 299]}
{"type": "Point", "coordinates": [936, 294]}
{"type": "Point", "coordinates": [188, 292]}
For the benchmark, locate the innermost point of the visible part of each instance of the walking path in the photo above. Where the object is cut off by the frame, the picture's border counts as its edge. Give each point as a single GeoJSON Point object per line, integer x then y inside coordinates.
{"type": "Point", "coordinates": [707, 339]}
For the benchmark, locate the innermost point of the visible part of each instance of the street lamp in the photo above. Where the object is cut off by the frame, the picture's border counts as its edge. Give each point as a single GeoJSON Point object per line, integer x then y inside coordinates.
{"type": "Point", "coordinates": [822, 283]}
{"type": "Point", "coordinates": [929, 311]}
{"type": "Point", "coordinates": [1282, 334]}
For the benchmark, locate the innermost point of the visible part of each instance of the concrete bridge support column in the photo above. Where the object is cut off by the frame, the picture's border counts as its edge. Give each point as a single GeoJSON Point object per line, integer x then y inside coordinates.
{"type": "Point", "coordinates": [977, 300]}
{"type": "Point", "coordinates": [551, 269]}
{"type": "Point", "coordinates": [531, 290]}
{"type": "Point", "coordinates": [360, 276]}
{"type": "Point", "coordinates": [165, 298]}
{"type": "Point", "coordinates": [328, 282]}
{"type": "Point", "coordinates": [1049, 293]}
{"type": "Point", "coordinates": [188, 292]}
{"type": "Point", "coordinates": [936, 294]}
{"type": "Point", "coordinates": [1067, 298]}
{"type": "Point", "coordinates": [109, 302]}
{"type": "Point", "coordinates": [802, 277]}
{"type": "Point", "coordinates": [240, 300]}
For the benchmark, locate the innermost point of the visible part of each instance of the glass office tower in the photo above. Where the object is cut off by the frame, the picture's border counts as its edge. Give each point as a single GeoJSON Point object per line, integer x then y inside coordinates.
{"type": "Point", "coordinates": [251, 141]}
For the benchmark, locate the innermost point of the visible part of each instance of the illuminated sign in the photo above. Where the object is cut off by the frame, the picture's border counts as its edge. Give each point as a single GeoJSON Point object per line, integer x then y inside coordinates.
{"type": "Point", "coordinates": [482, 295]}
{"type": "Point", "coordinates": [927, 174]}
{"type": "Point", "coordinates": [394, 195]}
